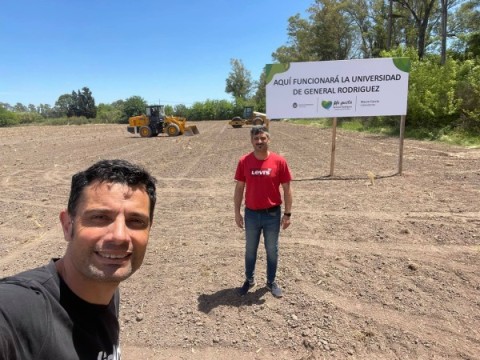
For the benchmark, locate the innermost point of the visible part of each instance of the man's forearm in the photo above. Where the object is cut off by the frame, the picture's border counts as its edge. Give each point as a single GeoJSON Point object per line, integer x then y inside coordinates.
{"type": "Point", "coordinates": [237, 203]}
{"type": "Point", "coordinates": [238, 197]}
{"type": "Point", "coordinates": [287, 198]}
{"type": "Point", "coordinates": [288, 204]}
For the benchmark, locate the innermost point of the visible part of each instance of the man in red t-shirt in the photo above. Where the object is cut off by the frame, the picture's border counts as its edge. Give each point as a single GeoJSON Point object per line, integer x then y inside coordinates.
{"type": "Point", "coordinates": [259, 175]}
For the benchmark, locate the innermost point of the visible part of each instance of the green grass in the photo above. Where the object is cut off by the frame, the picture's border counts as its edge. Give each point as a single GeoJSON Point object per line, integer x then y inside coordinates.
{"type": "Point", "coordinates": [390, 127]}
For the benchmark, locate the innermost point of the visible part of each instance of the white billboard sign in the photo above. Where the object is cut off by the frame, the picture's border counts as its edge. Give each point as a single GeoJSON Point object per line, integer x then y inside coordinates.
{"type": "Point", "coordinates": [347, 88]}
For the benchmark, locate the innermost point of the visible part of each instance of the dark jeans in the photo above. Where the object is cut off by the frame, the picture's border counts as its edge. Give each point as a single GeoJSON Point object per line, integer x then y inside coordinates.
{"type": "Point", "coordinates": [255, 223]}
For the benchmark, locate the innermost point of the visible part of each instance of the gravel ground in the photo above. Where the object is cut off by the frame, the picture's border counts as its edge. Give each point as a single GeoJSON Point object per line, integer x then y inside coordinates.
{"type": "Point", "coordinates": [372, 267]}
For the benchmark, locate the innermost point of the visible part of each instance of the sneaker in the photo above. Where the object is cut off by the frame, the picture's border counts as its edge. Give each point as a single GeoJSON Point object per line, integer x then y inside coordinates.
{"type": "Point", "coordinates": [275, 289]}
{"type": "Point", "coordinates": [247, 285]}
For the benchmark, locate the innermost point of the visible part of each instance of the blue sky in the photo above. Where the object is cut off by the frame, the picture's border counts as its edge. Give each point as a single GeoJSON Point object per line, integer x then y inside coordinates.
{"type": "Point", "coordinates": [167, 52]}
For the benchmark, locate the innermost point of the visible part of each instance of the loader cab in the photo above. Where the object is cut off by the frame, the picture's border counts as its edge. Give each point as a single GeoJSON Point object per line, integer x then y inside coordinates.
{"type": "Point", "coordinates": [248, 112]}
{"type": "Point", "coordinates": [155, 111]}
{"type": "Point", "coordinates": [156, 115]}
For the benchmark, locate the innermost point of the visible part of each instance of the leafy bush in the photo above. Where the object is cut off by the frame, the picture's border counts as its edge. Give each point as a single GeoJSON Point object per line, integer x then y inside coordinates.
{"type": "Point", "coordinates": [211, 110]}
{"type": "Point", "coordinates": [431, 97]}
{"type": "Point", "coordinates": [108, 114]}
{"type": "Point", "coordinates": [468, 92]}
{"type": "Point", "coordinates": [7, 118]}
{"type": "Point", "coordinates": [29, 117]}
{"type": "Point", "coordinates": [73, 120]}
{"type": "Point", "coordinates": [431, 90]}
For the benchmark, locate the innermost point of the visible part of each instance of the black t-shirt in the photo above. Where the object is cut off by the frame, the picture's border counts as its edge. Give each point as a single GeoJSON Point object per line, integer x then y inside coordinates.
{"type": "Point", "coordinates": [41, 318]}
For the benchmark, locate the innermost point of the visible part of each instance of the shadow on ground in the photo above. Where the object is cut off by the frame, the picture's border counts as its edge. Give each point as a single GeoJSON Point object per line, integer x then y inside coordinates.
{"type": "Point", "coordinates": [230, 297]}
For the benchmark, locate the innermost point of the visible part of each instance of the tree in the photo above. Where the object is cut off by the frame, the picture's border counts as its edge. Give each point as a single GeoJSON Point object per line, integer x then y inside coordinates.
{"type": "Point", "coordinates": [133, 106]}
{"type": "Point", "coordinates": [45, 110]}
{"type": "Point", "coordinates": [63, 103]}
{"type": "Point", "coordinates": [87, 103]}
{"type": "Point", "coordinates": [168, 110]}
{"type": "Point", "coordinates": [108, 113]}
{"type": "Point", "coordinates": [7, 117]}
{"type": "Point", "coordinates": [73, 109]}
{"type": "Point", "coordinates": [333, 33]}
{"type": "Point", "coordinates": [260, 96]}
{"type": "Point", "coordinates": [19, 107]}
{"type": "Point", "coordinates": [341, 29]}
{"type": "Point", "coordinates": [196, 111]}
{"type": "Point", "coordinates": [6, 106]}
{"type": "Point", "coordinates": [444, 28]}
{"type": "Point", "coordinates": [421, 12]}
{"type": "Point", "coordinates": [464, 23]}
{"type": "Point", "coordinates": [239, 81]}
{"type": "Point", "coordinates": [443, 31]}
{"type": "Point", "coordinates": [82, 104]}
{"type": "Point", "coordinates": [327, 35]}
{"type": "Point", "coordinates": [473, 44]}
{"type": "Point", "coordinates": [371, 22]}
{"type": "Point", "coordinates": [224, 110]}
{"type": "Point", "coordinates": [180, 110]}
{"type": "Point", "coordinates": [299, 47]}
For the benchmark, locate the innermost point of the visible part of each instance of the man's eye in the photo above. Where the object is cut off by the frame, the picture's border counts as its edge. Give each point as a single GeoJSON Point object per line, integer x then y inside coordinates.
{"type": "Point", "coordinates": [137, 223]}
{"type": "Point", "coordinates": [100, 217]}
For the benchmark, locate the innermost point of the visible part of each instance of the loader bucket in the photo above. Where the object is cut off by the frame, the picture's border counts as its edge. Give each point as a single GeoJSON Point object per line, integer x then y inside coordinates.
{"type": "Point", "coordinates": [191, 130]}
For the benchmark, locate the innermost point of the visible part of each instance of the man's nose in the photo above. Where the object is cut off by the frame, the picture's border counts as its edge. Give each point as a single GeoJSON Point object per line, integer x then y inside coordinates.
{"type": "Point", "coordinates": [119, 230]}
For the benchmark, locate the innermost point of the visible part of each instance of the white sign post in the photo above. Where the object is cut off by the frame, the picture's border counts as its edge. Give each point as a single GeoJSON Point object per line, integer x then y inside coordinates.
{"type": "Point", "coordinates": [331, 89]}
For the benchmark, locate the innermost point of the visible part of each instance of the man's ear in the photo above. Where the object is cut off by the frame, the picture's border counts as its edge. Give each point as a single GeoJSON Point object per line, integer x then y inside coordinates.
{"type": "Point", "coordinates": [67, 225]}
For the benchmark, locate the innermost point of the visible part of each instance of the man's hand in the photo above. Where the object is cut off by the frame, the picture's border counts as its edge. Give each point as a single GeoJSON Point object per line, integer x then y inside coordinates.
{"type": "Point", "coordinates": [239, 220]}
{"type": "Point", "coordinates": [237, 202]}
{"type": "Point", "coordinates": [285, 222]}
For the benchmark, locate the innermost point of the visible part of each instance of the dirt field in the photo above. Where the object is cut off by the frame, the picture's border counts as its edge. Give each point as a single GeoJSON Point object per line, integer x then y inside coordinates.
{"type": "Point", "coordinates": [383, 269]}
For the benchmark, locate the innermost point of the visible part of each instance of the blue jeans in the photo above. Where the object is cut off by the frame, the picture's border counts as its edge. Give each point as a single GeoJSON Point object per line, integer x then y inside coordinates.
{"type": "Point", "coordinates": [255, 223]}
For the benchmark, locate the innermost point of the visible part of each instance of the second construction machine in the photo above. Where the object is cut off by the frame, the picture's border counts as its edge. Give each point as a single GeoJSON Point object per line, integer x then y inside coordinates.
{"type": "Point", "coordinates": [155, 122]}
{"type": "Point", "coordinates": [250, 117]}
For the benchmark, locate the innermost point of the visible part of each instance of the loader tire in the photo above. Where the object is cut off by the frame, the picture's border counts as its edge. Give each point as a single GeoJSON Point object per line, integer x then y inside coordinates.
{"type": "Point", "coordinates": [145, 131]}
{"type": "Point", "coordinates": [258, 121]}
{"type": "Point", "coordinates": [172, 130]}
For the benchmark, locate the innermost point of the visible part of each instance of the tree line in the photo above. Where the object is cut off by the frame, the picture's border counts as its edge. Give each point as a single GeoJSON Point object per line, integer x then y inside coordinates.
{"type": "Point", "coordinates": [81, 109]}
{"type": "Point", "coordinates": [441, 37]}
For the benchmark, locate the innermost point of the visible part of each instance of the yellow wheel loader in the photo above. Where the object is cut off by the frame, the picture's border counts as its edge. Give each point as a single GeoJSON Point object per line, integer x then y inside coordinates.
{"type": "Point", "coordinates": [250, 117]}
{"type": "Point", "coordinates": [155, 122]}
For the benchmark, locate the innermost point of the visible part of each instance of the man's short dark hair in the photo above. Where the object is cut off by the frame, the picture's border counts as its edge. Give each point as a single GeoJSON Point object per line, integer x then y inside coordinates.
{"type": "Point", "coordinates": [112, 171]}
{"type": "Point", "coordinates": [257, 129]}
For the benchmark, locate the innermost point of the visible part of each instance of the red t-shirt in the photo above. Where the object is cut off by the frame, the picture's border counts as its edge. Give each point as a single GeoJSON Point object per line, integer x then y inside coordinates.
{"type": "Point", "coordinates": [262, 179]}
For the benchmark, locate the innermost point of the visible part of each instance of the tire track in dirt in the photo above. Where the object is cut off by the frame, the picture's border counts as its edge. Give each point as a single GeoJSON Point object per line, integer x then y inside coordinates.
{"type": "Point", "coordinates": [408, 215]}
{"type": "Point", "coordinates": [7, 180]}
{"type": "Point", "coordinates": [43, 241]}
{"type": "Point", "coordinates": [418, 253]}
{"type": "Point", "coordinates": [132, 148]}
{"type": "Point", "coordinates": [188, 170]}
{"type": "Point", "coordinates": [37, 183]}
{"type": "Point", "coordinates": [421, 327]}
{"type": "Point", "coordinates": [28, 203]}
{"type": "Point", "coordinates": [191, 154]}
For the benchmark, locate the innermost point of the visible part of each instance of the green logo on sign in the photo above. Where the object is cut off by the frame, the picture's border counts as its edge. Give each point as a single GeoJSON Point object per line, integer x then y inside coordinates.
{"type": "Point", "coordinates": [326, 104]}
